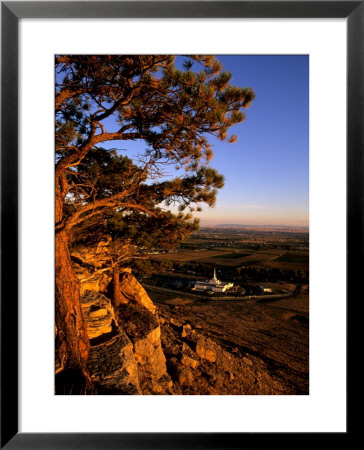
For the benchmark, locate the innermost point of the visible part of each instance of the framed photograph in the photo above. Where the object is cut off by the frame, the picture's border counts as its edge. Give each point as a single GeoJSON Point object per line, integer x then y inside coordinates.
{"type": "Point", "coordinates": [299, 64]}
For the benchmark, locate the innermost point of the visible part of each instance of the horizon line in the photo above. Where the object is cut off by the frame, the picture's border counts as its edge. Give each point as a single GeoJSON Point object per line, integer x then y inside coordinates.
{"type": "Point", "coordinates": [252, 225]}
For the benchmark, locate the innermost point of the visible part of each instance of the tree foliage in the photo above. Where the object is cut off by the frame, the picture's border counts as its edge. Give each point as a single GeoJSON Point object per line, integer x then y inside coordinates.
{"type": "Point", "coordinates": [101, 99]}
{"type": "Point", "coordinates": [118, 98]}
{"type": "Point", "coordinates": [131, 234]}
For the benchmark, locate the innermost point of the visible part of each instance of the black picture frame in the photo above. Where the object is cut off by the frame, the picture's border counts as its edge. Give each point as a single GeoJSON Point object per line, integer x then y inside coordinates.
{"type": "Point", "coordinates": [11, 12]}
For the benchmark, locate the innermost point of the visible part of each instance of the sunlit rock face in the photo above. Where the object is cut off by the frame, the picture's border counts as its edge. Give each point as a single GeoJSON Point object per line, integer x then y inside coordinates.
{"type": "Point", "coordinates": [97, 256]}
{"type": "Point", "coordinates": [143, 329]}
{"type": "Point", "coordinates": [91, 279]}
{"type": "Point", "coordinates": [206, 349]}
{"type": "Point", "coordinates": [133, 292]}
{"type": "Point", "coordinates": [113, 367]}
{"type": "Point", "coordinates": [98, 313]}
{"type": "Point", "coordinates": [111, 360]}
{"type": "Point", "coordinates": [91, 267]}
{"type": "Point", "coordinates": [148, 352]}
{"type": "Point", "coordinates": [126, 355]}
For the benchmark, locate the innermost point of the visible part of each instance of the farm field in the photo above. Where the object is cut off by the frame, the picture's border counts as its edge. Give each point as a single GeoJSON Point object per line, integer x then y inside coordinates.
{"type": "Point", "coordinates": [237, 258]}
{"type": "Point", "coordinates": [187, 255]}
{"type": "Point", "coordinates": [272, 330]}
{"type": "Point", "coordinates": [279, 259]}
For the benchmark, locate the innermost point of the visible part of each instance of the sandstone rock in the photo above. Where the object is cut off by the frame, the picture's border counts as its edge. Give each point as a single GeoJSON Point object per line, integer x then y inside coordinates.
{"type": "Point", "coordinates": [133, 292]}
{"type": "Point", "coordinates": [157, 388]}
{"type": "Point", "coordinates": [174, 322]}
{"type": "Point", "coordinates": [247, 361]}
{"type": "Point", "coordinates": [184, 376]}
{"type": "Point", "coordinates": [185, 347]}
{"type": "Point", "coordinates": [111, 361]}
{"type": "Point", "coordinates": [189, 362]}
{"type": "Point", "coordinates": [144, 331]}
{"type": "Point", "coordinates": [92, 265]}
{"type": "Point", "coordinates": [184, 330]}
{"type": "Point", "coordinates": [166, 382]}
{"type": "Point", "coordinates": [113, 367]}
{"type": "Point", "coordinates": [205, 349]}
{"type": "Point", "coordinates": [154, 336]}
{"type": "Point", "coordinates": [143, 349]}
{"type": "Point", "coordinates": [156, 364]}
{"type": "Point", "coordinates": [98, 313]}
{"type": "Point", "coordinates": [97, 256]}
{"type": "Point", "coordinates": [148, 352]}
{"type": "Point", "coordinates": [92, 279]}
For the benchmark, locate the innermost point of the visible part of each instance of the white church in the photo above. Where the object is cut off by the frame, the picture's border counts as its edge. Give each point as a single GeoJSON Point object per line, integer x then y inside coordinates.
{"type": "Point", "coordinates": [213, 285]}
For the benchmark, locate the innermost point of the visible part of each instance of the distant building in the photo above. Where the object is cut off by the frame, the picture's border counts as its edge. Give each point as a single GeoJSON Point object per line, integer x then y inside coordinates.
{"type": "Point", "coordinates": [265, 290]}
{"type": "Point", "coordinates": [213, 285]}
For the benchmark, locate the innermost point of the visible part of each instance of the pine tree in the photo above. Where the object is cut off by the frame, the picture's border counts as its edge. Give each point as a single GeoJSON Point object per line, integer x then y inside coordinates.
{"type": "Point", "coordinates": [123, 98]}
{"type": "Point", "coordinates": [128, 235]}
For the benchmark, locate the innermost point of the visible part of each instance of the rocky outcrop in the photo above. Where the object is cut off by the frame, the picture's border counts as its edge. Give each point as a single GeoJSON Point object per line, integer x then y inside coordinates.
{"type": "Point", "coordinates": [133, 292]}
{"type": "Point", "coordinates": [148, 352]}
{"type": "Point", "coordinates": [189, 362]}
{"type": "Point", "coordinates": [98, 313]}
{"type": "Point", "coordinates": [206, 349]}
{"type": "Point", "coordinates": [126, 355]}
{"type": "Point", "coordinates": [111, 360]}
{"type": "Point", "coordinates": [97, 256]}
{"type": "Point", "coordinates": [91, 279]}
{"type": "Point", "coordinates": [144, 331]}
{"type": "Point", "coordinates": [113, 367]}
{"type": "Point", "coordinates": [91, 266]}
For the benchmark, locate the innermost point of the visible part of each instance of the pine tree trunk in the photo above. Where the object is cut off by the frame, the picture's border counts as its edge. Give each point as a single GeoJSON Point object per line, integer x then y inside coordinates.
{"type": "Point", "coordinates": [72, 340]}
{"type": "Point", "coordinates": [72, 343]}
{"type": "Point", "coordinates": [116, 288]}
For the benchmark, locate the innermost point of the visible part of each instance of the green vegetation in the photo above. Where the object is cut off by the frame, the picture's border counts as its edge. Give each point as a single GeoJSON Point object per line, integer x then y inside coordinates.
{"type": "Point", "coordinates": [234, 255]}
{"type": "Point", "coordinates": [270, 263]}
{"type": "Point", "coordinates": [296, 258]}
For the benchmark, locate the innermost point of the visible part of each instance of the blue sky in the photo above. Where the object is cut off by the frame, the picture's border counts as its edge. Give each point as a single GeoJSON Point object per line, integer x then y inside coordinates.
{"type": "Point", "coordinates": [266, 170]}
